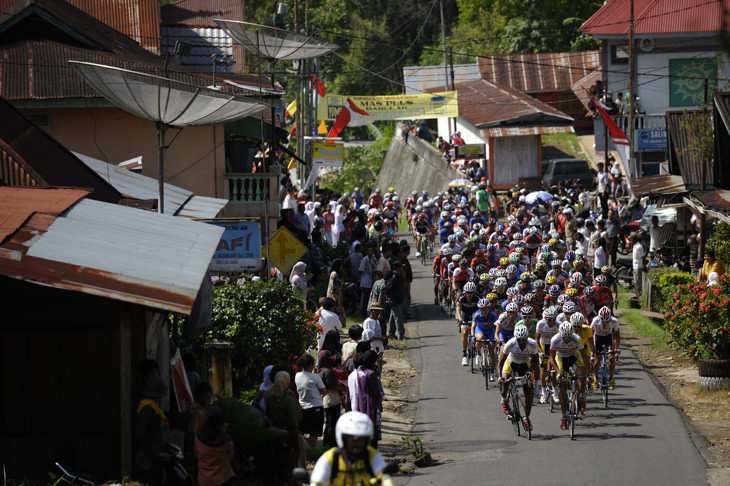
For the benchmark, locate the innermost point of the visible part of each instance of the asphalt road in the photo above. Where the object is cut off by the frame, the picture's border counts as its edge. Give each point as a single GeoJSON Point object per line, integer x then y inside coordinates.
{"type": "Point", "coordinates": [641, 438]}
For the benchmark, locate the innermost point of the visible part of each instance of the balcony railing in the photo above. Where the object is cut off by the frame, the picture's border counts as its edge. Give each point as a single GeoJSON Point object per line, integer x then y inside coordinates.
{"type": "Point", "coordinates": [250, 188]}
{"type": "Point", "coordinates": [642, 122]}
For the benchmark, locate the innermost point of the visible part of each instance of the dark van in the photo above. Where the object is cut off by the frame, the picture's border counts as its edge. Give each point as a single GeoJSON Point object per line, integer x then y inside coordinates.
{"type": "Point", "coordinates": [554, 171]}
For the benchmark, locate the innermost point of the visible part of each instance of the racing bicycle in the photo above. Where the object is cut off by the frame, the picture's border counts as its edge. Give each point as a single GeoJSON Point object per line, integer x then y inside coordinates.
{"type": "Point", "coordinates": [517, 415]}
{"type": "Point", "coordinates": [603, 383]}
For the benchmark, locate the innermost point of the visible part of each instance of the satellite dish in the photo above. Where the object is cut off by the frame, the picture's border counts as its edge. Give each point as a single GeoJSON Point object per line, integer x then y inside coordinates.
{"type": "Point", "coordinates": [272, 43]}
{"type": "Point", "coordinates": [646, 45]}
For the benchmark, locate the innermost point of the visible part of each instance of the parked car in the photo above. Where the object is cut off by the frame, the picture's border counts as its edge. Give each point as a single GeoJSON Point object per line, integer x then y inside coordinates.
{"type": "Point", "coordinates": [554, 171]}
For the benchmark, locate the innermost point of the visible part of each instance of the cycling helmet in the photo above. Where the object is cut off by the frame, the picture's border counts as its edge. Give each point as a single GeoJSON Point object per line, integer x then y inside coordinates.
{"type": "Point", "coordinates": [605, 269]}
{"type": "Point", "coordinates": [419, 208]}
{"type": "Point", "coordinates": [530, 298]}
{"type": "Point", "coordinates": [553, 241]}
{"type": "Point", "coordinates": [484, 277]}
{"type": "Point", "coordinates": [474, 279]}
{"type": "Point", "coordinates": [492, 221]}
{"type": "Point", "coordinates": [566, 329]}
{"type": "Point", "coordinates": [391, 190]}
{"type": "Point", "coordinates": [544, 257]}
{"type": "Point", "coordinates": [555, 263]}
{"type": "Point", "coordinates": [502, 238]}
{"type": "Point", "coordinates": [464, 262]}
{"type": "Point", "coordinates": [601, 280]}
{"type": "Point", "coordinates": [386, 221]}
{"type": "Point", "coordinates": [476, 227]}
{"type": "Point", "coordinates": [578, 263]}
{"type": "Point", "coordinates": [500, 282]}
{"type": "Point", "coordinates": [563, 298]}
{"type": "Point", "coordinates": [504, 261]}
{"type": "Point", "coordinates": [424, 193]}
{"type": "Point", "coordinates": [554, 289]}
{"type": "Point", "coordinates": [469, 287]}
{"type": "Point", "coordinates": [539, 285]}
{"type": "Point", "coordinates": [576, 278]}
{"type": "Point", "coordinates": [604, 313]}
{"type": "Point", "coordinates": [511, 307]}
{"type": "Point", "coordinates": [577, 319]}
{"type": "Point", "coordinates": [452, 237]}
{"type": "Point", "coordinates": [569, 307]}
{"type": "Point", "coordinates": [527, 310]}
{"type": "Point", "coordinates": [491, 296]}
{"type": "Point", "coordinates": [546, 248]}
{"type": "Point", "coordinates": [461, 220]}
{"type": "Point", "coordinates": [519, 248]}
{"type": "Point", "coordinates": [493, 272]}
{"type": "Point", "coordinates": [517, 236]}
{"type": "Point", "coordinates": [353, 425]}
{"type": "Point", "coordinates": [396, 198]}
{"type": "Point", "coordinates": [511, 269]}
{"type": "Point", "coordinates": [482, 303]}
{"type": "Point", "coordinates": [447, 251]}
{"type": "Point", "coordinates": [459, 232]}
{"type": "Point", "coordinates": [551, 312]}
{"type": "Point", "coordinates": [511, 292]}
{"type": "Point", "coordinates": [571, 292]}
{"type": "Point", "coordinates": [534, 230]}
{"type": "Point", "coordinates": [589, 292]}
{"type": "Point", "coordinates": [514, 259]}
{"type": "Point", "coordinates": [455, 258]}
{"type": "Point", "coordinates": [390, 204]}
{"type": "Point", "coordinates": [540, 266]}
{"type": "Point", "coordinates": [565, 265]}
{"type": "Point", "coordinates": [479, 253]}
{"type": "Point", "coordinates": [378, 225]}
{"type": "Point", "coordinates": [421, 216]}
{"type": "Point", "coordinates": [448, 225]}
{"type": "Point", "coordinates": [551, 280]}
{"type": "Point", "coordinates": [518, 299]}
{"type": "Point", "coordinates": [570, 255]}
{"type": "Point", "coordinates": [526, 276]}
{"type": "Point", "coordinates": [491, 248]}
{"type": "Point", "coordinates": [520, 332]}
{"type": "Point", "coordinates": [377, 190]}
{"type": "Point", "coordinates": [481, 268]}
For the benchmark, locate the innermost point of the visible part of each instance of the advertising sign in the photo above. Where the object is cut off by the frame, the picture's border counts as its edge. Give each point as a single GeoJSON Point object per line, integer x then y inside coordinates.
{"type": "Point", "coordinates": [651, 139]}
{"type": "Point", "coordinates": [239, 249]}
{"type": "Point", "coordinates": [328, 154]}
{"type": "Point", "coordinates": [395, 107]}
{"type": "Point", "coordinates": [470, 151]}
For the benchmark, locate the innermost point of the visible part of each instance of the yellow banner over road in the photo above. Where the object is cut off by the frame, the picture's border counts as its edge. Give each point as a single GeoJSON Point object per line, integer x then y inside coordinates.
{"type": "Point", "coordinates": [393, 107]}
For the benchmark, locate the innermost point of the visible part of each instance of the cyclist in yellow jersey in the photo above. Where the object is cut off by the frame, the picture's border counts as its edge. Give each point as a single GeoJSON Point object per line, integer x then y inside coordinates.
{"type": "Point", "coordinates": [566, 350]}
{"type": "Point", "coordinates": [586, 336]}
{"type": "Point", "coordinates": [353, 461]}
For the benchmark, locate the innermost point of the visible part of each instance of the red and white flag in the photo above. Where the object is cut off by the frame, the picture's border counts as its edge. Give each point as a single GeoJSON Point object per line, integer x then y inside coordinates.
{"type": "Point", "coordinates": [620, 140]}
{"type": "Point", "coordinates": [350, 116]}
{"type": "Point", "coordinates": [318, 85]}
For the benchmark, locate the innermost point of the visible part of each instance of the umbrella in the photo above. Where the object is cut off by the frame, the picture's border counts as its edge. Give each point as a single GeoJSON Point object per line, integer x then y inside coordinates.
{"type": "Point", "coordinates": [533, 196]}
{"type": "Point", "coordinates": [460, 183]}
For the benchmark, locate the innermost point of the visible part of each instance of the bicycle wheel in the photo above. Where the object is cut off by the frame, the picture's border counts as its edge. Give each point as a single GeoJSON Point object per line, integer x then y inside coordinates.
{"type": "Point", "coordinates": [487, 372]}
{"type": "Point", "coordinates": [551, 402]}
{"type": "Point", "coordinates": [521, 414]}
{"type": "Point", "coordinates": [604, 384]}
{"type": "Point", "coordinates": [472, 356]}
{"type": "Point", "coordinates": [573, 414]}
{"type": "Point", "coordinates": [515, 400]}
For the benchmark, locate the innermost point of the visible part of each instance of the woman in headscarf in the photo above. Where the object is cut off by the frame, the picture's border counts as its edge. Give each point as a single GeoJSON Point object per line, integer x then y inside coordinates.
{"type": "Point", "coordinates": [338, 229]}
{"type": "Point", "coordinates": [282, 408]}
{"type": "Point", "coordinates": [369, 398]}
{"type": "Point", "coordinates": [299, 280]}
{"type": "Point", "coordinates": [332, 401]}
{"type": "Point", "coordinates": [334, 288]}
{"type": "Point", "coordinates": [309, 211]}
{"type": "Point", "coordinates": [214, 449]}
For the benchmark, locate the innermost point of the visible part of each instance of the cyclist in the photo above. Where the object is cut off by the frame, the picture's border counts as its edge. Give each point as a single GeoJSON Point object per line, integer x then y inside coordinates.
{"type": "Point", "coordinates": [375, 199]}
{"type": "Point", "coordinates": [466, 305]}
{"type": "Point", "coordinates": [602, 295]}
{"type": "Point", "coordinates": [482, 327]}
{"type": "Point", "coordinates": [421, 229]}
{"type": "Point", "coordinates": [546, 328]}
{"type": "Point", "coordinates": [505, 326]}
{"type": "Point", "coordinates": [479, 259]}
{"type": "Point", "coordinates": [589, 303]}
{"type": "Point", "coordinates": [436, 273]}
{"type": "Point", "coordinates": [566, 350]}
{"type": "Point", "coordinates": [354, 460]}
{"type": "Point", "coordinates": [460, 276]}
{"type": "Point", "coordinates": [518, 355]}
{"type": "Point", "coordinates": [606, 335]}
{"type": "Point", "coordinates": [586, 336]}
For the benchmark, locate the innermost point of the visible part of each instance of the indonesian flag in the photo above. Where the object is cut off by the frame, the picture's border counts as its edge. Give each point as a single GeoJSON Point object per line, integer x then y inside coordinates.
{"type": "Point", "coordinates": [293, 131]}
{"type": "Point", "coordinates": [617, 135]}
{"type": "Point", "coordinates": [351, 116]}
{"type": "Point", "coordinates": [291, 109]}
{"type": "Point", "coordinates": [180, 384]}
{"type": "Point", "coordinates": [318, 85]}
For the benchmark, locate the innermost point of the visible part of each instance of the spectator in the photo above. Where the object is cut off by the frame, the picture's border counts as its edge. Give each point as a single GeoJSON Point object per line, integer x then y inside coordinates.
{"type": "Point", "coordinates": [331, 401]}
{"type": "Point", "coordinates": [711, 265]}
{"type": "Point", "coordinates": [310, 389]}
{"type": "Point", "coordinates": [214, 449]}
{"type": "Point", "coordinates": [328, 320]}
{"type": "Point", "coordinates": [639, 262]}
{"type": "Point", "coordinates": [282, 408]}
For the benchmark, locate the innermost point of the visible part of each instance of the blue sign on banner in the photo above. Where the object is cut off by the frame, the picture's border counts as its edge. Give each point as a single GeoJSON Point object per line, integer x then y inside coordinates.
{"type": "Point", "coordinates": [239, 248]}
{"type": "Point", "coordinates": [655, 139]}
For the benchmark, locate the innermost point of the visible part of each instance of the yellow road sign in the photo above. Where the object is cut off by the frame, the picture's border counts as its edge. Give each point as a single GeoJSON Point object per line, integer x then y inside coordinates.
{"type": "Point", "coordinates": [285, 250]}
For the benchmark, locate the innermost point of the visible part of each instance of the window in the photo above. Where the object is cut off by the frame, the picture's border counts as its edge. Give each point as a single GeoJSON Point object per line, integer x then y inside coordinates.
{"type": "Point", "coordinates": [620, 54]}
{"type": "Point", "coordinates": [575, 168]}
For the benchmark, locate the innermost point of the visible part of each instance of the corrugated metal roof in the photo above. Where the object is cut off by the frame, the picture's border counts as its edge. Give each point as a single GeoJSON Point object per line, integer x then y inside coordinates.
{"type": "Point", "coordinates": [31, 157]}
{"type": "Point", "coordinates": [659, 17]}
{"type": "Point", "coordinates": [535, 73]}
{"type": "Point", "coordinates": [121, 253]}
{"type": "Point", "coordinates": [489, 105]}
{"type": "Point", "coordinates": [586, 82]}
{"type": "Point", "coordinates": [18, 204]}
{"type": "Point", "coordinates": [200, 13]}
{"type": "Point", "coordinates": [687, 161]}
{"type": "Point", "coordinates": [419, 79]}
{"type": "Point", "coordinates": [657, 184]}
{"type": "Point", "coordinates": [178, 201]}
{"type": "Point", "coordinates": [519, 131]}
{"type": "Point", "coordinates": [137, 19]}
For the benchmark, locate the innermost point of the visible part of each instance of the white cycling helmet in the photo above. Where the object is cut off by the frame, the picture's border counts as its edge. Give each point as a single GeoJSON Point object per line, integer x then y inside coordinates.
{"type": "Point", "coordinates": [577, 319]}
{"type": "Point", "coordinates": [576, 278]}
{"type": "Point", "coordinates": [565, 329]}
{"type": "Point", "coordinates": [455, 258]}
{"type": "Point", "coordinates": [500, 282]}
{"type": "Point", "coordinates": [551, 312]}
{"type": "Point", "coordinates": [569, 307]}
{"type": "Point", "coordinates": [521, 332]}
{"type": "Point", "coordinates": [511, 307]}
{"type": "Point", "coordinates": [470, 287]}
{"type": "Point", "coordinates": [353, 424]}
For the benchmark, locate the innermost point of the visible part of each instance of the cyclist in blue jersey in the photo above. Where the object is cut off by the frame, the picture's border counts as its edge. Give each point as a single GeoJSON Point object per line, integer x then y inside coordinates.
{"type": "Point", "coordinates": [482, 327]}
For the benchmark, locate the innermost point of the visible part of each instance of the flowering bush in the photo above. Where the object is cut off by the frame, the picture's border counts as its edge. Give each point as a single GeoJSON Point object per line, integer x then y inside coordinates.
{"type": "Point", "coordinates": [696, 318]}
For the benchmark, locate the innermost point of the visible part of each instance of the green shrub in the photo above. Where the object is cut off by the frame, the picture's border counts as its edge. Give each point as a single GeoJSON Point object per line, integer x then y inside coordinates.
{"type": "Point", "coordinates": [667, 283]}
{"type": "Point", "coordinates": [720, 241]}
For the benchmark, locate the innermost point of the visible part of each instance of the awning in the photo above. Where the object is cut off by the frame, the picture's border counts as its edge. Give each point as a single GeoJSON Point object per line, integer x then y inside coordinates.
{"type": "Point", "coordinates": [657, 184]}
{"type": "Point", "coordinates": [522, 131]}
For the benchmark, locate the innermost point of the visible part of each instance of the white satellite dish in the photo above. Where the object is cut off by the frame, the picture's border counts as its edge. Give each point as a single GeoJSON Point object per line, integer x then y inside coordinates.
{"type": "Point", "coordinates": [167, 102]}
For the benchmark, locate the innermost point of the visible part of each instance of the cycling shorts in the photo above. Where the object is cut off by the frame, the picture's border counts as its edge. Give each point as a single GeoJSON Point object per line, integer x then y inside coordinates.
{"type": "Point", "coordinates": [603, 342]}
{"type": "Point", "coordinates": [488, 332]}
{"type": "Point", "coordinates": [567, 362]}
{"type": "Point", "coordinates": [519, 369]}
{"type": "Point", "coordinates": [506, 334]}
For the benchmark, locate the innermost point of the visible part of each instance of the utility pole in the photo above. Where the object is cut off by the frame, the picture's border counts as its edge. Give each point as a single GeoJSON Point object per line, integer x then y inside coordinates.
{"type": "Point", "coordinates": [451, 61]}
{"type": "Point", "coordinates": [703, 169]}
{"type": "Point", "coordinates": [632, 163]}
{"type": "Point", "coordinates": [443, 48]}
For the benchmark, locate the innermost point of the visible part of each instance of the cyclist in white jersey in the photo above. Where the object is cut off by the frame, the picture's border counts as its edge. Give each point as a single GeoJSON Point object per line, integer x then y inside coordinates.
{"type": "Point", "coordinates": [518, 355]}
{"type": "Point", "coordinates": [566, 350]}
{"type": "Point", "coordinates": [606, 335]}
{"type": "Point", "coordinates": [547, 327]}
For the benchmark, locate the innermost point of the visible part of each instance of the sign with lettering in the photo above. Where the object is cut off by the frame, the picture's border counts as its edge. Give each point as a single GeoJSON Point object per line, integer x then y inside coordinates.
{"type": "Point", "coordinates": [328, 154]}
{"type": "Point", "coordinates": [471, 151]}
{"type": "Point", "coordinates": [655, 139]}
{"type": "Point", "coordinates": [393, 107]}
{"type": "Point", "coordinates": [284, 250]}
{"type": "Point", "coordinates": [239, 249]}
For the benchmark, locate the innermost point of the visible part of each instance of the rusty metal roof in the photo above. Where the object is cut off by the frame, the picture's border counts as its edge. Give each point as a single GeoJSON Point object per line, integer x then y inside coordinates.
{"type": "Point", "coordinates": [30, 156]}
{"type": "Point", "coordinates": [586, 82]}
{"type": "Point", "coordinates": [657, 184]}
{"type": "Point", "coordinates": [679, 141]}
{"type": "Point", "coordinates": [714, 203]}
{"type": "Point", "coordinates": [519, 131]}
{"type": "Point", "coordinates": [140, 257]}
{"type": "Point", "coordinates": [534, 73]}
{"type": "Point", "coordinates": [488, 105]}
{"type": "Point", "coordinates": [137, 19]}
{"type": "Point", "coordinates": [200, 13]}
{"type": "Point", "coordinates": [178, 201]}
{"type": "Point", "coordinates": [659, 17]}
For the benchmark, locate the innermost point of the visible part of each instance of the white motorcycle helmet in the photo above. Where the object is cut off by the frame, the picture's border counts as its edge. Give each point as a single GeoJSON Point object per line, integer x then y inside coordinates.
{"type": "Point", "coordinates": [353, 425]}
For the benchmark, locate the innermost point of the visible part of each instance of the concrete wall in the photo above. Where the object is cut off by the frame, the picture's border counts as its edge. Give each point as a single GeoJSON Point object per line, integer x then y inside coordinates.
{"type": "Point", "coordinates": [414, 167]}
